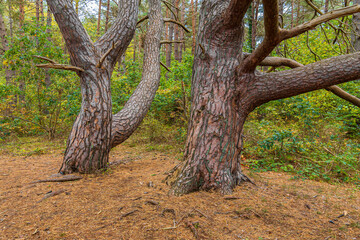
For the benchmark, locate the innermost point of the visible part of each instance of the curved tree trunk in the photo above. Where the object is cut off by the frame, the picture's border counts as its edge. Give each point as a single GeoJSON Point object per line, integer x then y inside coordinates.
{"type": "Point", "coordinates": [88, 145]}
{"type": "Point", "coordinates": [94, 133]}
{"type": "Point", "coordinates": [129, 118]}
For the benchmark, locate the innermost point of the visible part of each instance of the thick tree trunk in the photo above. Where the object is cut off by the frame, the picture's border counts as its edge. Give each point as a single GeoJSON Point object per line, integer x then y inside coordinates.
{"type": "Point", "coordinates": [225, 89]}
{"type": "Point", "coordinates": [213, 146]}
{"type": "Point", "coordinates": [88, 145]}
{"type": "Point", "coordinates": [355, 36]}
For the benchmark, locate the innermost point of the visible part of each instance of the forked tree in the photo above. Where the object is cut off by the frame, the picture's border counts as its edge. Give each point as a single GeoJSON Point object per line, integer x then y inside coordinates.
{"type": "Point", "coordinates": [226, 87]}
{"type": "Point", "coordinates": [96, 130]}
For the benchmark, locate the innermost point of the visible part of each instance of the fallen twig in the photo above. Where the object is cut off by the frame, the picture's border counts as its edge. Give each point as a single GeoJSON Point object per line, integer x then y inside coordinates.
{"type": "Point", "coordinates": [201, 213]}
{"type": "Point", "coordinates": [192, 228]}
{"type": "Point", "coordinates": [127, 214]}
{"type": "Point", "coordinates": [152, 202]}
{"type": "Point", "coordinates": [231, 198]}
{"type": "Point", "coordinates": [51, 194]}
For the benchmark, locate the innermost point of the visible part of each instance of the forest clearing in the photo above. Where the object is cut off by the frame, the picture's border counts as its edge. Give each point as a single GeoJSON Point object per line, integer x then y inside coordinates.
{"type": "Point", "coordinates": [130, 201]}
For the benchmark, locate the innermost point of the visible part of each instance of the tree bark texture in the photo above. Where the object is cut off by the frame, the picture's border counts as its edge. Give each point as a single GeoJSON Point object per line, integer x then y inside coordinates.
{"type": "Point", "coordinates": [225, 89]}
{"type": "Point", "coordinates": [355, 36]}
{"type": "Point", "coordinates": [129, 118]}
{"type": "Point", "coordinates": [88, 145]}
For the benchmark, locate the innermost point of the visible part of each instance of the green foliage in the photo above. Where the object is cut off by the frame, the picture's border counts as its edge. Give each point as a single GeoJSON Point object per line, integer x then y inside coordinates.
{"type": "Point", "coordinates": [38, 106]}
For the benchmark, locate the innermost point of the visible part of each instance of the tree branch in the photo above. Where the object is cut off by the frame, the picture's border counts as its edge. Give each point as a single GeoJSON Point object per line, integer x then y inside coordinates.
{"type": "Point", "coordinates": [102, 59]}
{"type": "Point", "coordinates": [142, 19]}
{"type": "Point", "coordinates": [274, 36]}
{"type": "Point", "coordinates": [176, 22]}
{"type": "Point", "coordinates": [170, 42]}
{"type": "Point", "coordinates": [56, 65]}
{"type": "Point", "coordinates": [76, 38]}
{"type": "Point", "coordinates": [286, 34]}
{"type": "Point", "coordinates": [322, 74]}
{"type": "Point", "coordinates": [235, 12]}
{"type": "Point", "coordinates": [121, 33]}
{"type": "Point", "coordinates": [278, 62]}
{"type": "Point", "coordinates": [163, 65]}
{"type": "Point", "coordinates": [129, 118]}
{"type": "Point", "coordinates": [271, 40]}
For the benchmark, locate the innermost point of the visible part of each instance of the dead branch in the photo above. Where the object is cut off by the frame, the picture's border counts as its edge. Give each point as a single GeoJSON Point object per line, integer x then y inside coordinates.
{"type": "Point", "coordinates": [169, 7]}
{"type": "Point", "coordinates": [56, 65]}
{"type": "Point", "coordinates": [60, 66]}
{"type": "Point", "coordinates": [176, 22]}
{"type": "Point", "coordinates": [172, 5]}
{"type": "Point", "coordinates": [44, 58]}
{"type": "Point", "coordinates": [65, 178]}
{"type": "Point", "coordinates": [192, 228]}
{"type": "Point", "coordinates": [162, 64]}
{"type": "Point", "coordinates": [128, 213]}
{"type": "Point", "coordinates": [170, 42]}
{"type": "Point", "coordinates": [51, 194]}
{"type": "Point", "coordinates": [102, 59]}
{"type": "Point", "coordinates": [143, 19]}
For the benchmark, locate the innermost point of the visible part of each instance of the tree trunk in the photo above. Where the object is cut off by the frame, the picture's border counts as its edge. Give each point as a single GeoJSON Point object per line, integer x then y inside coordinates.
{"type": "Point", "coordinates": [107, 15]}
{"type": "Point", "coordinates": [182, 45]}
{"type": "Point", "coordinates": [88, 145]}
{"type": "Point", "coordinates": [193, 26]}
{"type": "Point", "coordinates": [176, 35]}
{"type": "Point", "coordinates": [5, 47]}
{"type": "Point", "coordinates": [169, 49]}
{"type": "Point", "coordinates": [355, 36]}
{"type": "Point", "coordinates": [214, 142]}
{"type": "Point", "coordinates": [48, 31]}
{"type": "Point", "coordinates": [99, 19]}
{"type": "Point", "coordinates": [225, 89]}
{"type": "Point", "coordinates": [22, 84]}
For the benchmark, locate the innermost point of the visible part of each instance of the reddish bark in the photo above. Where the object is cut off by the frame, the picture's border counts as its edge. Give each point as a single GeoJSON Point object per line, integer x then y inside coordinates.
{"type": "Point", "coordinates": [225, 90]}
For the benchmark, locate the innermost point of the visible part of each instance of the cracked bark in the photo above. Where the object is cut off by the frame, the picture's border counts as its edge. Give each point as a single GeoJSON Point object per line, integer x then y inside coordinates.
{"type": "Point", "coordinates": [95, 130]}
{"type": "Point", "coordinates": [225, 89]}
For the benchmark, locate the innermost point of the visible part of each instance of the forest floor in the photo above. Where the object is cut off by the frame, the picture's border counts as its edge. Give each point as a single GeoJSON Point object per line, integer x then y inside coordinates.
{"type": "Point", "coordinates": [130, 201]}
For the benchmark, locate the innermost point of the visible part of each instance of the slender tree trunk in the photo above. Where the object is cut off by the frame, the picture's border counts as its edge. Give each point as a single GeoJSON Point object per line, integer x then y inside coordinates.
{"type": "Point", "coordinates": [176, 35]}
{"type": "Point", "coordinates": [99, 19]}
{"type": "Point", "coordinates": [182, 38]}
{"type": "Point", "coordinates": [326, 8]}
{"type": "Point", "coordinates": [42, 11]}
{"type": "Point", "coordinates": [48, 31]}
{"type": "Point", "coordinates": [22, 85]}
{"type": "Point", "coordinates": [356, 36]}
{"type": "Point", "coordinates": [5, 47]}
{"type": "Point", "coordinates": [254, 23]}
{"type": "Point", "coordinates": [107, 15]}
{"type": "Point", "coordinates": [169, 49]}
{"type": "Point", "coordinates": [193, 26]}
{"type": "Point", "coordinates": [292, 12]}
{"type": "Point", "coordinates": [77, 6]}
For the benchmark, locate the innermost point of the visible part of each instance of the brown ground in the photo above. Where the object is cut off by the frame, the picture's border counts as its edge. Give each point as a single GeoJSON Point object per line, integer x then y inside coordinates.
{"type": "Point", "coordinates": [96, 207]}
